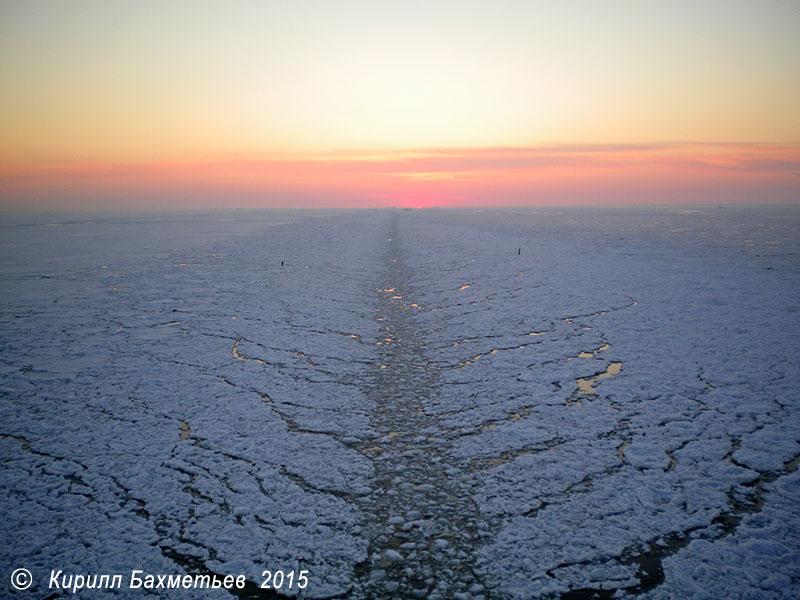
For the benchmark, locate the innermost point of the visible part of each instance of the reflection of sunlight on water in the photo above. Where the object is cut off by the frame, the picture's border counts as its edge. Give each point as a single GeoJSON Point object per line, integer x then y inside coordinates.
{"type": "Point", "coordinates": [586, 385]}
{"type": "Point", "coordinates": [463, 287]}
{"type": "Point", "coordinates": [237, 356]}
{"type": "Point", "coordinates": [235, 352]}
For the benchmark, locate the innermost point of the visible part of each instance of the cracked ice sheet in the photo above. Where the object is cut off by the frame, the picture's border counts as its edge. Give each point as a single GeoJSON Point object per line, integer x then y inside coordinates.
{"type": "Point", "coordinates": [704, 323]}
{"type": "Point", "coordinates": [109, 349]}
{"type": "Point", "coordinates": [131, 436]}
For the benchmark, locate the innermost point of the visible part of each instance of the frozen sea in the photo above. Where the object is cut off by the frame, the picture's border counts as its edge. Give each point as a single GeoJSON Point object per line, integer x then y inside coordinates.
{"type": "Point", "coordinates": [466, 404]}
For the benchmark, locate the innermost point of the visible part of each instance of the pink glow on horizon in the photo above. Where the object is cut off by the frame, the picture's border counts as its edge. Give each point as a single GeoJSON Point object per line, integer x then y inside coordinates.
{"type": "Point", "coordinates": [558, 174]}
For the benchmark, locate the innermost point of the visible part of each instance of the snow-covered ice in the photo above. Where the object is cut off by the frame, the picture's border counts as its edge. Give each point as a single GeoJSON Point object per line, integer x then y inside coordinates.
{"type": "Point", "coordinates": [507, 404]}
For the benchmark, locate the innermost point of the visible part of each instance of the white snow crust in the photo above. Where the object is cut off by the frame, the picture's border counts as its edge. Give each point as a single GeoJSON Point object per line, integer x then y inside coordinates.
{"type": "Point", "coordinates": [407, 407]}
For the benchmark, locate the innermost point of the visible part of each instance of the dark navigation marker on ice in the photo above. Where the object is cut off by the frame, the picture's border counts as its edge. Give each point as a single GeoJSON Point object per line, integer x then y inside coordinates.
{"type": "Point", "coordinates": [410, 414]}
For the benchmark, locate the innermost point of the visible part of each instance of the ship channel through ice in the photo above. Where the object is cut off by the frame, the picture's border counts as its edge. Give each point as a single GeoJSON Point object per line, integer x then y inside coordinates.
{"type": "Point", "coordinates": [507, 404]}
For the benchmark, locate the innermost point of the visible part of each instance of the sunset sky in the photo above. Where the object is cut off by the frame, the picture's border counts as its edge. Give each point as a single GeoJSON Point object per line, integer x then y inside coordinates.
{"type": "Point", "coordinates": [366, 103]}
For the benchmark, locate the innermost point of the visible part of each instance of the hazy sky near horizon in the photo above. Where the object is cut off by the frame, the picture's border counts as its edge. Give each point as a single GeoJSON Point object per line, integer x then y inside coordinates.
{"type": "Point", "coordinates": [196, 103]}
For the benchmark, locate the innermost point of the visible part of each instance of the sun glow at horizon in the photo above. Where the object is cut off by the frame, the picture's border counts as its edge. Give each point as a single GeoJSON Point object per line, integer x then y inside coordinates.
{"type": "Point", "coordinates": [298, 102]}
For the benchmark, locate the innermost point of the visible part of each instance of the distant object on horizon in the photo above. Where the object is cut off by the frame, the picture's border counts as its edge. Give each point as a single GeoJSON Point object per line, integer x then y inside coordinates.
{"type": "Point", "coordinates": [519, 251]}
